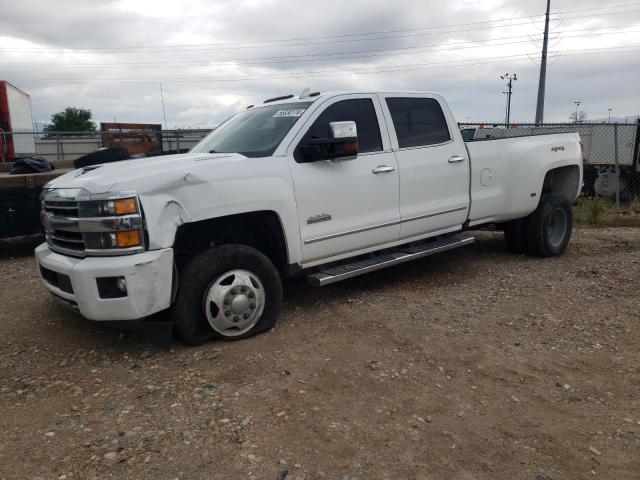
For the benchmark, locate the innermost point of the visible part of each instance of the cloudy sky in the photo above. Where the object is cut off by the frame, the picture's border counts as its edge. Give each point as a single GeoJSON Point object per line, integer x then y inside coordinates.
{"type": "Point", "coordinates": [216, 57]}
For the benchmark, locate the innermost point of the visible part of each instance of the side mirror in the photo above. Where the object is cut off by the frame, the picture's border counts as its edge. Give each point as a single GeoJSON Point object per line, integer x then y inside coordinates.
{"type": "Point", "coordinates": [341, 146]}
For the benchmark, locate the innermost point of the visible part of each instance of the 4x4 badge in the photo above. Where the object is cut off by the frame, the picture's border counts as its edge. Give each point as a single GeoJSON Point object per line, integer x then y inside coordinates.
{"type": "Point", "coordinates": [323, 217]}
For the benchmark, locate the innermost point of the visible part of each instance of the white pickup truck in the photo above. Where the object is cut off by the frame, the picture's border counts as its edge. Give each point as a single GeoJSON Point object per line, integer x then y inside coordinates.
{"type": "Point", "coordinates": [327, 186]}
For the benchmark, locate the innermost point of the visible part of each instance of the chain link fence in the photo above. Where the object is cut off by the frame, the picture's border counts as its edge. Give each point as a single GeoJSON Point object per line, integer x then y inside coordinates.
{"type": "Point", "coordinates": [611, 150]}
{"type": "Point", "coordinates": [71, 145]}
{"type": "Point", "coordinates": [611, 153]}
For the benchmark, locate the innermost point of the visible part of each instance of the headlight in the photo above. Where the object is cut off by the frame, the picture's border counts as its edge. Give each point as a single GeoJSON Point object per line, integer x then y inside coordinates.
{"type": "Point", "coordinates": [93, 224]}
{"type": "Point", "coordinates": [125, 206]}
{"type": "Point", "coordinates": [109, 208]}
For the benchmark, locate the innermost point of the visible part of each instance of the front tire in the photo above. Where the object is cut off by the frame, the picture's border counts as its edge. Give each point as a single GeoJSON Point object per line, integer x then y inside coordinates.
{"type": "Point", "coordinates": [228, 292]}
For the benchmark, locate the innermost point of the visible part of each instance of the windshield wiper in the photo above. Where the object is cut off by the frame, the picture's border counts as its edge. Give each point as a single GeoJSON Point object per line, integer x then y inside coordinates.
{"type": "Point", "coordinates": [212, 151]}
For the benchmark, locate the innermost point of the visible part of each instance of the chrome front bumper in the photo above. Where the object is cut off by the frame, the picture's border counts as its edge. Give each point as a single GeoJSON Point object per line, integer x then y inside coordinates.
{"type": "Point", "coordinates": [148, 278]}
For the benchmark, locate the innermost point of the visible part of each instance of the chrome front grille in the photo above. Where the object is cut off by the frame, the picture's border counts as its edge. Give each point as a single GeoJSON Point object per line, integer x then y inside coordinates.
{"type": "Point", "coordinates": [75, 225]}
{"type": "Point", "coordinates": [69, 240]}
{"type": "Point", "coordinates": [60, 221]}
{"type": "Point", "coordinates": [62, 208]}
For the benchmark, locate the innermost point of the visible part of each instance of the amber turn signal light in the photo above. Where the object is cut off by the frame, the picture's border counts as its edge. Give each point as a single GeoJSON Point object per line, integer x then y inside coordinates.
{"type": "Point", "coordinates": [125, 206]}
{"type": "Point", "coordinates": [128, 238]}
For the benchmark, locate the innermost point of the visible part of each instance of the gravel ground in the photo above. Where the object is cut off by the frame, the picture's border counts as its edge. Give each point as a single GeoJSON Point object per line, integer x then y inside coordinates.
{"type": "Point", "coordinates": [473, 364]}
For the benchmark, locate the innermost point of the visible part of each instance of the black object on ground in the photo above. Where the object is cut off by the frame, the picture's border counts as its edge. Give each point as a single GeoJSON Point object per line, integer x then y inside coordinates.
{"type": "Point", "coordinates": [31, 165]}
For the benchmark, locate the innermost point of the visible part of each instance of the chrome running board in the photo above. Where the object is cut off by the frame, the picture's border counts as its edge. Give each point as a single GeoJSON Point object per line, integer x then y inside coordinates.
{"type": "Point", "coordinates": [401, 255]}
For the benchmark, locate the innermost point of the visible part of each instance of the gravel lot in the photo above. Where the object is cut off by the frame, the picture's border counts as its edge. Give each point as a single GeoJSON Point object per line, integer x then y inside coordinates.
{"type": "Point", "coordinates": [473, 364]}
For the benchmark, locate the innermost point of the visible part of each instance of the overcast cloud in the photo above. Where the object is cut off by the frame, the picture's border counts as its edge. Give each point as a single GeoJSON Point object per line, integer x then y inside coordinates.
{"type": "Point", "coordinates": [214, 58]}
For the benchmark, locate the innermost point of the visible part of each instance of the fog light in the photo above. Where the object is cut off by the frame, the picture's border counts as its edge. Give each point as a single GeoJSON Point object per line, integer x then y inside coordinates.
{"type": "Point", "coordinates": [121, 283]}
{"type": "Point", "coordinates": [112, 287]}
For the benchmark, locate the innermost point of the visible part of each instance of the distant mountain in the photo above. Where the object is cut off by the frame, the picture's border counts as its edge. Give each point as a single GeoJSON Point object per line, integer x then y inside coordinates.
{"type": "Point", "coordinates": [627, 119]}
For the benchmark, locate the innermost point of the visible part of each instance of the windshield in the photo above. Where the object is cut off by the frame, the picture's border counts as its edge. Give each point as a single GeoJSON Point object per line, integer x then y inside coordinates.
{"type": "Point", "coordinates": [256, 132]}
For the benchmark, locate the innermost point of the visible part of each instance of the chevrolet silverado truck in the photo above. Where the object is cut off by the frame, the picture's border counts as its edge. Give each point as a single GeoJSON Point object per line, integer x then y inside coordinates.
{"type": "Point", "coordinates": [322, 186]}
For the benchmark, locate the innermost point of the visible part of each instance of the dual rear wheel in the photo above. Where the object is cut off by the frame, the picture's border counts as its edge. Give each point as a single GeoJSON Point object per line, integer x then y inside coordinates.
{"type": "Point", "coordinates": [544, 233]}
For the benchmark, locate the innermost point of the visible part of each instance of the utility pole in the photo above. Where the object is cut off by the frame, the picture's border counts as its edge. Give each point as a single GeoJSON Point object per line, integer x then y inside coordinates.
{"type": "Point", "coordinates": [506, 107]}
{"type": "Point", "coordinates": [577, 102]}
{"type": "Point", "coordinates": [609, 114]}
{"type": "Point", "coordinates": [164, 113]}
{"type": "Point", "coordinates": [511, 78]}
{"type": "Point", "coordinates": [543, 69]}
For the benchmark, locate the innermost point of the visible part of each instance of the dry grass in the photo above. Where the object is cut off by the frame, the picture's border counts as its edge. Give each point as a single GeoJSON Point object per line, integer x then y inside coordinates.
{"type": "Point", "coordinates": [601, 212]}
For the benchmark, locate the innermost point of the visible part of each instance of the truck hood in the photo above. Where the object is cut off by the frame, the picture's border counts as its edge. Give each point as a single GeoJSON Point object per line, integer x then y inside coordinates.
{"type": "Point", "coordinates": [146, 175]}
{"type": "Point", "coordinates": [178, 189]}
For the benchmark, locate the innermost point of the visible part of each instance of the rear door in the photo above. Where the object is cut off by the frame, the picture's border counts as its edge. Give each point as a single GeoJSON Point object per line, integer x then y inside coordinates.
{"type": "Point", "coordinates": [347, 206]}
{"type": "Point", "coordinates": [433, 164]}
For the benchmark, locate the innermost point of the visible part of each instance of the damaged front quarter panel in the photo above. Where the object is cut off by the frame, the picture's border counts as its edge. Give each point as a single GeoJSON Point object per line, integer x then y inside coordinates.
{"type": "Point", "coordinates": [151, 284]}
{"type": "Point", "coordinates": [163, 217]}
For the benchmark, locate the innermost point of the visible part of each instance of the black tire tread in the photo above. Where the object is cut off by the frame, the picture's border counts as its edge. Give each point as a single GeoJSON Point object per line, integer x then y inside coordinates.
{"type": "Point", "coordinates": [514, 236]}
{"type": "Point", "coordinates": [535, 235]}
{"type": "Point", "coordinates": [186, 312]}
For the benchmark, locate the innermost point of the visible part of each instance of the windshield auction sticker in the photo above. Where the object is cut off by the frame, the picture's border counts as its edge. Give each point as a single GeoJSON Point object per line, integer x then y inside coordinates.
{"type": "Point", "coordinates": [294, 112]}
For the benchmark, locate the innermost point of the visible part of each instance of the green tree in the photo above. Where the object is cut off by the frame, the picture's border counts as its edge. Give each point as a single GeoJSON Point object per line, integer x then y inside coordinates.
{"type": "Point", "coordinates": [71, 119]}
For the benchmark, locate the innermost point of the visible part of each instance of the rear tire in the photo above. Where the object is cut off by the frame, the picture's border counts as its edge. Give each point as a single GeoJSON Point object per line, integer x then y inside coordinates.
{"type": "Point", "coordinates": [228, 292]}
{"type": "Point", "coordinates": [515, 236]}
{"type": "Point", "coordinates": [548, 228]}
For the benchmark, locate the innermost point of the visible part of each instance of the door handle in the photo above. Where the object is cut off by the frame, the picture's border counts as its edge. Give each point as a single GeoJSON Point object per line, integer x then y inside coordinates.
{"type": "Point", "coordinates": [383, 169]}
{"type": "Point", "coordinates": [456, 159]}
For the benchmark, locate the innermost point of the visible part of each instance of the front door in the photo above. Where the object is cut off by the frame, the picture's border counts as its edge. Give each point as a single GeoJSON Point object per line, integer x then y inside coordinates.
{"type": "Point", "coordinates": [351, 205]}
{"type": "Point", "coordinates": [433, 165]}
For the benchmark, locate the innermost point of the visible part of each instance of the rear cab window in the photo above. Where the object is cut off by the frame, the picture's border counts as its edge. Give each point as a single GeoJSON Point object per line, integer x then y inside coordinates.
{"type": "Point", "coordinates": [418, 122]}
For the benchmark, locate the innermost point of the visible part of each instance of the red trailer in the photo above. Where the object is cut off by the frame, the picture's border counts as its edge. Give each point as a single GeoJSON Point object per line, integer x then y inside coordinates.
{"type": "Point", "coordinates": [15, 116]}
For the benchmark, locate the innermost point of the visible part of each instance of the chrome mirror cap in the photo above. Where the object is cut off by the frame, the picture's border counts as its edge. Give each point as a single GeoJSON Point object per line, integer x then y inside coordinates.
{"type": "Point", "coordinates": [343, 129]}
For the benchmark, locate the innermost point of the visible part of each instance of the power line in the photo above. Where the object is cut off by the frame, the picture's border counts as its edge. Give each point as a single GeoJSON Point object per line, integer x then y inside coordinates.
{"type": "Point", "coordinates": [324, 73]}
{"type": "Point", "coordinates": [332, 55]}
{"type": "Point", "coordinates": [204, 47]}
{"type": "Point", "coordinates": [281, 42]}
{"type": "Point", "coordinates": [607, 7]}
{"type": "Point", "coordinates": [296, 39]}
{"type": "Point", "coordinates": [203, 15]}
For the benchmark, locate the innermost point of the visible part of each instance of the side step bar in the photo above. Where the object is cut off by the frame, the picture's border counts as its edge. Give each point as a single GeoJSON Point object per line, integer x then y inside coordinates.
{"type": "Point", "coordinates": [402, 255]}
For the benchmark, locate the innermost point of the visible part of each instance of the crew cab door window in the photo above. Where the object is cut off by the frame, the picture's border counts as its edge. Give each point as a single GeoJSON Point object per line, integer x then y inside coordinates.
{"type": "Point", "coordinates": [346, 206]}
{"type": "Point", "coordinates": [359, 110]}
{"type": "Point", "coordinates": [434, 170]}
{"type": "Point", "coordinates": [418, 122]}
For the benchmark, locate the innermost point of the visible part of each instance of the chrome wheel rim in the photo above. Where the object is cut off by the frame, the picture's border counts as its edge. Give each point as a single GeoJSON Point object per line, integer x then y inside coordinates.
{"type": "Point", "coordinates": [557, 227]}
{"type": "Point", "coordinates": [233, 303]}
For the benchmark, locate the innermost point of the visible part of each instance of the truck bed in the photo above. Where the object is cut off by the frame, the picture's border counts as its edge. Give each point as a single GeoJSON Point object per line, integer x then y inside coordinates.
{"type": "Point", "coordinates": [507, 173]}
{"type": "Point", "coordinates": [32, 180]}
{"type": "Point", "coordinates": [19, 198]}
{"type": "Point", "coordinates": [598, 140]}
